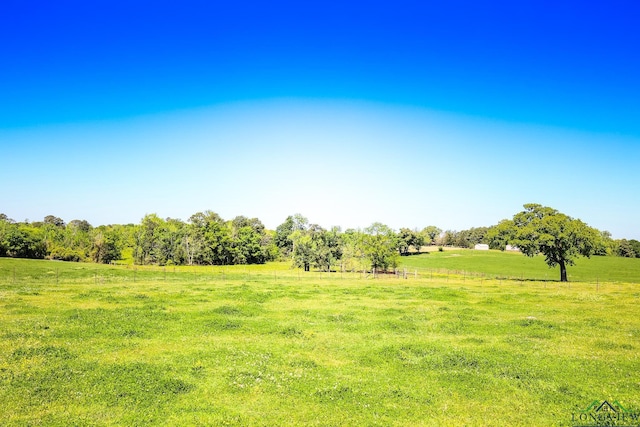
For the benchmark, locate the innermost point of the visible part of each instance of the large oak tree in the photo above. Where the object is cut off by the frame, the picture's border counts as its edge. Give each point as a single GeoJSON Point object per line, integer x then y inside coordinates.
{"type": "Point", "coordinates": [543, 230]}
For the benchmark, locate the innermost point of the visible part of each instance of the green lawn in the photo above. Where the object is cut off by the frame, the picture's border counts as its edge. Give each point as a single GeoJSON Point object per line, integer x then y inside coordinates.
{"type": "Point", "coordinates": [83, 344]}
{"type": "Point", "coordinates": [514, 265]}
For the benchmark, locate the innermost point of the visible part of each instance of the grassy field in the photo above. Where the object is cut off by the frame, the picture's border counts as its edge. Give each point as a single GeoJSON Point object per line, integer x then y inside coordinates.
{"type": "Point", "coordinates": [84, 344]}
{"type": "Point", "coordinates": [514, 265]}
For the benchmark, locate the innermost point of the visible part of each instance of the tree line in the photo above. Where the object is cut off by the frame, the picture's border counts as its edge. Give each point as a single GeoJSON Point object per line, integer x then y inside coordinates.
{"type": "Point", "coordinates": [207, 239]}
{"type": "Point", "coordinates": [51, 238]}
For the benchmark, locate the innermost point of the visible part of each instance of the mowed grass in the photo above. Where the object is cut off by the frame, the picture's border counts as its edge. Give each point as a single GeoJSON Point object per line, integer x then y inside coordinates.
{"type": "Point", "coordinates": [82, 344]}
{"type": "Point", "coordinates": [514, 265]}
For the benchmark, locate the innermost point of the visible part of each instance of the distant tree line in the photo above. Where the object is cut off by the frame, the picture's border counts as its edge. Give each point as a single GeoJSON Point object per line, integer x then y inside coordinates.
{"type": "Point", "coordinates": [377, 247]}
{"type": "Point", "coordinates": [53, 239]}
{"type": "Point", "coordinates": [604, 244]}
{"type": "Point", "coordinates": [207, 239]}
{"type": "Point", "coordinates": [625, 248]}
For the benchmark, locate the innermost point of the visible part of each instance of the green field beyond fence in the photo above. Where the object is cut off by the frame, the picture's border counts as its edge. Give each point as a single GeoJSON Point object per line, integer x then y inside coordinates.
{"type": "Point", "coordinates": [515, 266]}
{"type": "Point", "coordinates": [451, 264]}
{"type": "Point", "coordinates": [463, 338]}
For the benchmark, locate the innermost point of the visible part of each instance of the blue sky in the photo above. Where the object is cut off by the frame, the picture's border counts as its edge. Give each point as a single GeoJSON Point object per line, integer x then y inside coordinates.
{"type": "Point", "coordinates": [408, 113]}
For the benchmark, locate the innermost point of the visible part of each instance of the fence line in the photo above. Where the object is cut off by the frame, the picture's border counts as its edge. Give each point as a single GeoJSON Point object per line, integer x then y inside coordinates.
{"type": "Point", "coordinates": [99, 275]}
{"type": "Point", "coordinates": [90, 274]}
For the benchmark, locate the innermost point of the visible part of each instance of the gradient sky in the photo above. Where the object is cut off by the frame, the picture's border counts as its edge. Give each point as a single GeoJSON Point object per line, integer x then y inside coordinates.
{"type": "Point", "coordinates": [409, 113]}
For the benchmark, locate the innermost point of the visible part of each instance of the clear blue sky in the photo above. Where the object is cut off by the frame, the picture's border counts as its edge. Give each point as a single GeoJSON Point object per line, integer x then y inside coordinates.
{"type": "Point", "coordinates": [410, 113]}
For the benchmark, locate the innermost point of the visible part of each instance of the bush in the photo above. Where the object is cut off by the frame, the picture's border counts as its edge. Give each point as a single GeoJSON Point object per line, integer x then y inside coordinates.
{"type": "Point", "coordinates": [65, 254]}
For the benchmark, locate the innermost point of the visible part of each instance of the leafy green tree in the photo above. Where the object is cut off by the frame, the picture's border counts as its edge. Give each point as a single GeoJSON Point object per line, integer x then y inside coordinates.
{"type": "Point", "coordinates": [159, 241]}
{"type": "Point", "coordinates": [635, 245]}
{"type": "Point", "coordinates": [170, 235]}
{"type": "Point", "coordinates": [353, 257]}
{"type": "Point", "coordinates": [80, 225]}
{"type": "Point", "coordinates": [380, 246]}
{"type": "Point", "coordinates": [126, 238]}
{"type": "Point", "coordinates": [14, 242]}
{"type": "Point", "coordinates": [543, 230]}
{"type": "Point", "coordinates": [106, 245]}
{"type": "Point", "coordinates": [76, 243]}
{"type": "Point", "coordinates": [53, 232]}
{"type": "Point", "coordinates": [147, 242]}
{"type": "Point", "coordinates": [253, 223]}
{"type": "Point", "coordinates": [271, 251]}
{"type": "Point", "coordinates": [6, 225]}
{"type": "Point", "coordinates": [50, 239]}
{"type": "Point", "coordinates": [35, 242]}
{"type": "Point", "coordinates": [463, 239]}
{"type": "Point", "coordinates": [431, 233]}
{"type": "Point", "coordinates": [471, 237]}
{"type": "Point", "coordinates": [24, 240]}
{"type": "Point", "coordinates": [405, 236]}
{"type": "Point", "coordinates": [605, 245]}
{"type": "Point", "coordinates": [450, 238]}
{"type": "Point", "coordinates": [302, 249]}
{"type": "Point", "coordinates": [192, 243]}
{"type": "Point", "coordinates": [250, 243]}
{"type": "Point", "coordinates": [283, 237]}
{"type": "Point", "coordinates": [418, 241]}
{"type": "Point", "coordinates": [247, 248]}
{"type": "Point", "coordinates": [54, 220]}
{"type": "Point", "coordinates": [408, 238]}
{"type": "Point", "coordinates": [625, 249]}
{"type": "Point", "coordinates": [315, 246]}
{"type": "Point", "coordinates": [498, 235]}
{"type": "Point", "coordinates": [327, 247]}
{"type": "Point", "coordinates": [210, 239]}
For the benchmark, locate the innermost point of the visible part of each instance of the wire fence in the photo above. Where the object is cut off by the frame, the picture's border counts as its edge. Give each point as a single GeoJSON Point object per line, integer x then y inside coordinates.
{"type": "Point", "coordinates": [100, 275]}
